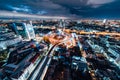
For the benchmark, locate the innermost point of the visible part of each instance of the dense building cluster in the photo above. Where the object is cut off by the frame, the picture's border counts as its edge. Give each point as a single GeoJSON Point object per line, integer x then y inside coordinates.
{"type": "Point", "coordinates": [60, 50]}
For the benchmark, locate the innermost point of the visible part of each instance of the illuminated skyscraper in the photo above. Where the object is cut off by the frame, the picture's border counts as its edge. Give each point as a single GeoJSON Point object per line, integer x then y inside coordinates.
{"type": "Point", "coordinates": [24, 29]}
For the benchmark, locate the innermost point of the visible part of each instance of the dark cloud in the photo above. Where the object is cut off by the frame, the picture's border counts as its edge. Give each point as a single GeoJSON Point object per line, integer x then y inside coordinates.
{"type": "Point", "coordinates": [75, 8]}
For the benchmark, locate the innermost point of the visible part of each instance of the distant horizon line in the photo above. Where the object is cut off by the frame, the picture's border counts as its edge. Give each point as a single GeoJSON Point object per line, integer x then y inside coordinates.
{"type": "Point", "coordinates": [12, 15]}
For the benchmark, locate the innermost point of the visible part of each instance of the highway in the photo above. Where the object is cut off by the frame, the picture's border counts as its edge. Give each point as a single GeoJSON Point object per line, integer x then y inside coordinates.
{"type": "Point", "coordinates": [39, 71]}
{"type": "Point", "coordinates": [39, 75]}
{"type": "Point", "coordinates": [44, 66]}
{"type": "Point", "coordinates": [94, 33]}
{"type": "Point", "coordinates": [32, 75]}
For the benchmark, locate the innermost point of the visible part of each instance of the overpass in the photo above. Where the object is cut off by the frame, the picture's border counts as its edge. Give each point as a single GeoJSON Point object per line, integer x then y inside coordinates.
{"type": "Point", "coordinates": [41, 70]}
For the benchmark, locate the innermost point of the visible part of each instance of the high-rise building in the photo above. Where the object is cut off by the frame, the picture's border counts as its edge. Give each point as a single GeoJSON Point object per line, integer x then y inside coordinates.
{"type": "Point", "coordinates": [24, 29]}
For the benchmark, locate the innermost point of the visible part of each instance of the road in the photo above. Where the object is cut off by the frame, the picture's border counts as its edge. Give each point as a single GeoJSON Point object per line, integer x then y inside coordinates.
{"type": "Point", "coordinates": [38, 72]}
{"type": "Point", "coordinates": [44, 66]}
{"type": "Point", "coordinates": [32, 75]}
{"type": "Point", "coordinates": [96, 33]}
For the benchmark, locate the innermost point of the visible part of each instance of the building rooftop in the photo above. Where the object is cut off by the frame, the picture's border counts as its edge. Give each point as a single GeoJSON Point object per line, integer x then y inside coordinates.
{"type": "Point", "coordinates": [19, 72]}
{"type": "Point", "coordinates": [10, 68]}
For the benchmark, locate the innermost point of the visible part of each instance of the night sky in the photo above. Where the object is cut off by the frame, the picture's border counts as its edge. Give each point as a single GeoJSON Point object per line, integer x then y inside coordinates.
{"type": "Point", "coordinates": [67, 8]}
